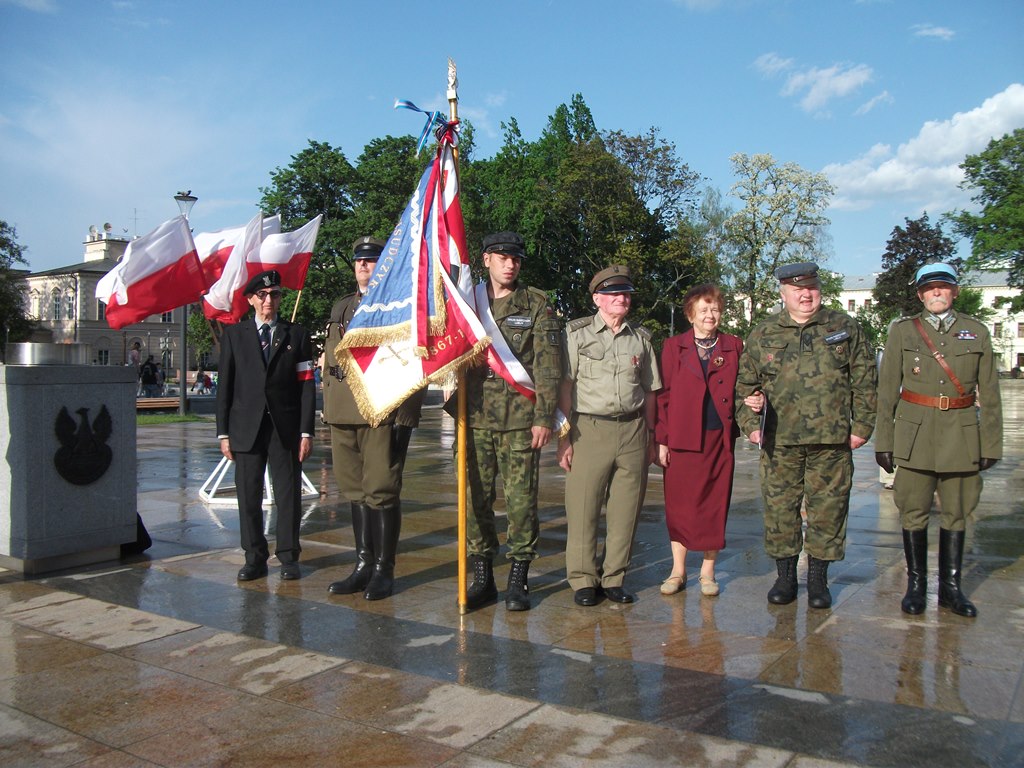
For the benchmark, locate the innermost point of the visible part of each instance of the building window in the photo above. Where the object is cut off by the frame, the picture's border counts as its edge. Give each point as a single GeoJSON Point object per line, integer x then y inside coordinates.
{"type": "Point", "coordinates": [69, 306]}
{"type": "Point", "coordinates": [867, 303]}
{"type": "Point", "coordinates": [101, 310]}
{"type": "Point", "coordinates": [167, 317]}
{"type": "Point", "coordinates": [55, 313]}
{"type": "Point", "coordinates": [851, 305]}
{"type": "Point", "coordinates": [103, 356]}
{"type": "Point", "coordinates": [1020, 330]}
{"type": "Point", "coordinates": [997, 329]}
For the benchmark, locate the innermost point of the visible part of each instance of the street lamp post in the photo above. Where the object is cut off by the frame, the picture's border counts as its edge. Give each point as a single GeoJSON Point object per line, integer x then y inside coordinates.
{"type": "Point", "coordinates": [185, 201]}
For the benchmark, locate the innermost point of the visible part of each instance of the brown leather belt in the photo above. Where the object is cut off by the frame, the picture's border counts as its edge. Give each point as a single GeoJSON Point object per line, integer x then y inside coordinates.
{"type": "Point", "coordinates": [620, 418]}
{"type": "Point", "coordinates": [941, 402]}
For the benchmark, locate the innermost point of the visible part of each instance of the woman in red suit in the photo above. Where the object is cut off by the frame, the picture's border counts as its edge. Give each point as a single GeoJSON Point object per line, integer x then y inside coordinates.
{"type": "Point", "coordinates": [696, 434]}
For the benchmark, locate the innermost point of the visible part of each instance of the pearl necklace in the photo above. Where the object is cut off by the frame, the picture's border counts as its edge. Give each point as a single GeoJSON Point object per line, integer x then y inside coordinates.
{"type": "Point", "coordinates": [705, 345]}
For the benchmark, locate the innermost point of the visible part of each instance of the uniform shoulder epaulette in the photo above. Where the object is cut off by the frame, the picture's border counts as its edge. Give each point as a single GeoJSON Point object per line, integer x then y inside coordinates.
{"type": "Point", "coordinates": [537, 292]}
{"type": "Point", "coordinates": [580, 322]}
{"type": "Point", "coordinates": [643, 332]}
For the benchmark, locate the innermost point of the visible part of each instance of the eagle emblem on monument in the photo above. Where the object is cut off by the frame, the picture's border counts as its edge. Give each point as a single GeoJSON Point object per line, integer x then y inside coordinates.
{"type": "Point", "coordinates": [83, 455]}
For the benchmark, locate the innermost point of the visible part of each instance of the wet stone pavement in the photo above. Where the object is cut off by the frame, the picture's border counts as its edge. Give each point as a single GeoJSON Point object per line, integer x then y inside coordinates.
{"type": "Point", "coordinates": [165, 659]}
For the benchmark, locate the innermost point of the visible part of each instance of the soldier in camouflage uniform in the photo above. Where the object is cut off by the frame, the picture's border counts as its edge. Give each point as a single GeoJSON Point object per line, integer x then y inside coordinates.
{"type": "Point", "coordinates": [507, 429]}
{"type": "Point", "coordinates": [368, 461]}
{"type": "Point", "coordinates": [815, 369]}
{"type": "Point", "coordinates": [937, 367]}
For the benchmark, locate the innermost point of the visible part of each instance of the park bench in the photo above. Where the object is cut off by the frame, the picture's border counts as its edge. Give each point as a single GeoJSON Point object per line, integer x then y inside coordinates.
{"type": "Point", "coordinates": [156, 403]}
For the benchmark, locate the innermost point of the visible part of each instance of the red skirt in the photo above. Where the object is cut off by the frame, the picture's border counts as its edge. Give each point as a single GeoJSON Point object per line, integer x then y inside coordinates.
{"type": "Point", "coordinates": [698, 487]}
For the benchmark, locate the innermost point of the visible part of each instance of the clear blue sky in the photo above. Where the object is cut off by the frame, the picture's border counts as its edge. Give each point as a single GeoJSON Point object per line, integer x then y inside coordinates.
{"type": "Point", "coordinates": [108, 108]}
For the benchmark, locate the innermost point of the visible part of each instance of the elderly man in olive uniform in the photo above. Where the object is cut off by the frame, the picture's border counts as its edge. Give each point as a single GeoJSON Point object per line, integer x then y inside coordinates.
{"type": "Point", "coordinates": [818, 374]}
{"type": "Point", "coordinates": [368, 461]}
{"type": "Point", "coordinates": [506, 428]}
{"type": "Point", "coordinates": [938, 375]}
{"type": "Point", "coordinates": [610, 375]}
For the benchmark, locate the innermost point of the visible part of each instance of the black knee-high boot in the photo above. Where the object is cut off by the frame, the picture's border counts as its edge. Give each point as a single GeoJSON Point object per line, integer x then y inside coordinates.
{"type": "Point", "coordinates": [951, 556]}
{"type": "Point", "coordinates": [360, 577]}
{"type": "Point", "coordinates": [915, 547]}
{"type": "Point", "coordinates": [386, 524]}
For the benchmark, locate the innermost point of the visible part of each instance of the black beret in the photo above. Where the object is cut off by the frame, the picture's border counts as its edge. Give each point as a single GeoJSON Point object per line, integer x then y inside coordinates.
{"type": "Point", "coordinates": [505, 242]}
{"type": "Point", "coordinates": [368, 248]}
{"type": "Point", "coordinates": [801, 274]}
{"type": "Point", "coordinates": [268, 279]}
{"type": "Point", "coordinates": [613, 279]}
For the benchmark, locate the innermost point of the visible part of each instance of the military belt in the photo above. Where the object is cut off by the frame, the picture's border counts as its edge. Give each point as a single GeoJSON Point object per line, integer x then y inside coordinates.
{"type": "Point", "coordinates": [941, 402]}
{"type": "Point", "coordinates": [335, 371]}
{"type": "Point", "coordinates": [623, 417]}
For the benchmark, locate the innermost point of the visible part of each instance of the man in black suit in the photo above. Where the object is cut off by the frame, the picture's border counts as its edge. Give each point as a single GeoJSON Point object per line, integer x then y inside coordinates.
{"type": "Point", "coordinates": [265, 408]}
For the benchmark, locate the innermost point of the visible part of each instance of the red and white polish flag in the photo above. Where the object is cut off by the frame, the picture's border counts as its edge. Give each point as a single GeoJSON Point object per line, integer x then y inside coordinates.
{"type": "Point", "coordinates": [224, 301]}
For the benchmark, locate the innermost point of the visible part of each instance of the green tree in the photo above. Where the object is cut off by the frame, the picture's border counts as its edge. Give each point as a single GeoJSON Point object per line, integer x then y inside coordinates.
{"type": "Point", "coordinates": [997, 233]}
{"type": "Point", "coordinates": [781, 222]}
{"type": "Point", "coordinates": [908, 249]}
{"type": "Point", "coordinates": [319, 180]}
{"type": "Point", "coordinates": [198, 332]}
{"type": "Point", "coordinates": [14, 324]}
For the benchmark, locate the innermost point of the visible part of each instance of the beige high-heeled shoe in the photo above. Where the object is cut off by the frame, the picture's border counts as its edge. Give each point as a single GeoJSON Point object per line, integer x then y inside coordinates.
{"type": "Point", "coordinates": [673, 584]}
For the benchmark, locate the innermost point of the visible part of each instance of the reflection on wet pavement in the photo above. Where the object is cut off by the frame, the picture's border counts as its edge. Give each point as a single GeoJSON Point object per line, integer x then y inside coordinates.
{"type": "Point", "coordinates": [167, 660]}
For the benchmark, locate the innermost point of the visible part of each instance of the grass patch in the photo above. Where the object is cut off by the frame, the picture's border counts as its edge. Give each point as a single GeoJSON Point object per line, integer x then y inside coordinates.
{"type": "Point", "coordinates": [146, 419]}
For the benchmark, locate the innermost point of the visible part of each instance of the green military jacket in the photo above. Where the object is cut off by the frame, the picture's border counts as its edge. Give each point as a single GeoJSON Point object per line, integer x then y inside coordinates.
{"type": "Point", "coordinates": [924, 437]}
{"type": "Point", "coordinates": [528, 324]}
{"type": "Point", "coordinates": [819, 379]}
{"type": "Point", "coordinates": [339, 403]}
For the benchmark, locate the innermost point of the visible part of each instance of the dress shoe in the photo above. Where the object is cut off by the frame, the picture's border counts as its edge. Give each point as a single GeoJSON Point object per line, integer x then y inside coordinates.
{"type": "Point", "coordinates": [673, 584]}
{"type": "Point", "coordinates": [290, 572]}
{"type": "Point", "coordinates": [586, 596]}
{"type": "Point", "coordinates": [251, 572]}
{"type": "Point", "coordinates": [618, 595]}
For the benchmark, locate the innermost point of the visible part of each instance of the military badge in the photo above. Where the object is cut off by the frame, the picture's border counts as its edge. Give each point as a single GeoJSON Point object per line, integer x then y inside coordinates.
{"type": "Point", "coordinates": [769, 357]}
{"type": "Point", "coordinates": [519, 321]}
{"type": "Point", "coordinates": [840, 349]}
{"type": "Point", "coordinates": [915, 370]}
{"type": "Point", "coordinates": [835, 338]}
{"type": "Point", "coordinates": [966, 336]}
{"type": "Point", "coordinates": [635, 361]}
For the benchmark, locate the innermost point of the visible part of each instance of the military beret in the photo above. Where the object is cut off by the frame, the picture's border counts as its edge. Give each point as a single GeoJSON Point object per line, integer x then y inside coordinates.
{"type": "Point", "coordinates": [803, 274]}
{"type": "Point", "coordinates": [268, 279]}
{"type": "Point", "coordinates": [368, 248]}
{"type": "Point", "coordinates": [936, 273]}
{"type": "Point", "coordinates": [505, 242]}
{"type": "Point", "coordinates": [613, 279]}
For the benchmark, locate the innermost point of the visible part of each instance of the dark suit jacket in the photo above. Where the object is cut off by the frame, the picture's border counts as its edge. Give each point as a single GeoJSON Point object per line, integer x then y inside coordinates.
{"type": "Point", "coordinates": [247, 388]}
{"type": "Point", "coordinates": [680, 423]}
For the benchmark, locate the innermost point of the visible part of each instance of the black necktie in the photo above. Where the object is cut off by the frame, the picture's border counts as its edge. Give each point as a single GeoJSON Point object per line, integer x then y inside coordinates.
{"type": "Point", "coordinates": [265, 342]}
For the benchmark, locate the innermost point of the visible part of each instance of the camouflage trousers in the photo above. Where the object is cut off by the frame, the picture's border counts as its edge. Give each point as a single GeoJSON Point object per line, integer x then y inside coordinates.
{"type": "Point", "coordinates": [818, 477]}
{"type": "Point", "coordinates": [490, 453]}
{"type": "Point", "coordinates": [913, 490]}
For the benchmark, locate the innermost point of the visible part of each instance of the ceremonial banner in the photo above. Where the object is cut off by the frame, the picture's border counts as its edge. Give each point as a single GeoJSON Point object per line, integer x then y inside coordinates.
{"type": "Point", "coordinates": [159, 271]}
{"type": "Point", "coordinates": [416, 325]}
{"type": "Point", "coordinates": [225, 301]}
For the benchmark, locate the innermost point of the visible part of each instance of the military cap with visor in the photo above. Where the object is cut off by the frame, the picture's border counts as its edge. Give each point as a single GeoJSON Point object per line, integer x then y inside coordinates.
{"type": "Point", "coordinates": [505, 242]}
{"type": "Point", "coordinates": [368, 248]}
{"type": "Point", "coordinates": [613, 279]}
{"type": "Point", "coordinates": [935, 273]}
{"type": "Point", "coordinates": [803, 274]}
{"type": "Point", "coordinates": [269, 279]}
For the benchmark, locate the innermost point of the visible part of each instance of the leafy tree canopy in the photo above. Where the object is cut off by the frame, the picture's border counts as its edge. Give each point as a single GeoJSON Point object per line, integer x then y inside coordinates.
{"type": "Point", "coordinates": [14, 323]}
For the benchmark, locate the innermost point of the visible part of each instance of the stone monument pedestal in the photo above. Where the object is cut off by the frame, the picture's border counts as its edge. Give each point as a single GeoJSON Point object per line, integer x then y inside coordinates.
{"type": "Point", "coordinates": [68, 485]}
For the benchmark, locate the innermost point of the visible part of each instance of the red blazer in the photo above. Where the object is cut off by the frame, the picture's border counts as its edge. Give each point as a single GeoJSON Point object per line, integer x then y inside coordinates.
{"type": "Point", "coordinates": [680, 423]}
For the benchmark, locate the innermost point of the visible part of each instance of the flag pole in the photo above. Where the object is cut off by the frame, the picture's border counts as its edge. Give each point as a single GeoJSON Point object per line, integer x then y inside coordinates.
{"type": "Point", "coordinates": [453, 115]}
{"type": "Point", "coordinates": [295, 309]}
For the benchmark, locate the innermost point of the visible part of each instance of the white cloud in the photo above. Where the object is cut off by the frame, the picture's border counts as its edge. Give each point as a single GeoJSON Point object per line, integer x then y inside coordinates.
{"type": "Point", "coordinates": [930, 30]}
{"type": "Point", "coordinates": [38, 6]}
{"type": "Point", "coordinates": [815, 86]}
{"type": "Point", "coordinates": [883, 98]}
{"type": "Point", "coordinates": [771, 64]}
{"type": "Point", "coordinates": [923, 173]}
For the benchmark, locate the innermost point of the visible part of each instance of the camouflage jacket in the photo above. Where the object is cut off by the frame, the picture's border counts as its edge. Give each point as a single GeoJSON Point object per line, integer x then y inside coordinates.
{"type": "Point", "coordinates": [819, 379]}
{"type": "Point", "coordinates": [533, 334]}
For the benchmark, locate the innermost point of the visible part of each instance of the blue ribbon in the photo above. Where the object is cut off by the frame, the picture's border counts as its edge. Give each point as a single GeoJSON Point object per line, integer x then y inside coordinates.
{"type": "Point", "coordinates": [434, 120]}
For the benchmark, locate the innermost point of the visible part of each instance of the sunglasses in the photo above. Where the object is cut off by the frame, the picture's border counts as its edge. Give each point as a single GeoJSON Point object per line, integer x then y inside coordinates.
{"type": "Point", "coordinates": [264, 295]}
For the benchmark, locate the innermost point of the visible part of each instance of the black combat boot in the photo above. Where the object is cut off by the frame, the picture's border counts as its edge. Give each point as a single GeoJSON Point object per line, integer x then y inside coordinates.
{"type": "Point", "coordinates": [915, 547]}
{"type": "Point", "coordinates": [360, 577]}
{"type": "Point", "coordinates": [386, 524]}
{"type": "Point", "coordinates": [951, 556]}
{"type": "Point", "coordinates": [483, 590]}
{"type": "Point", "coordinates": [518, 596]}
{"type": "Point", "coordinates": [818, 595]}
{"type": "Point", "coordinates": [784, 591]}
